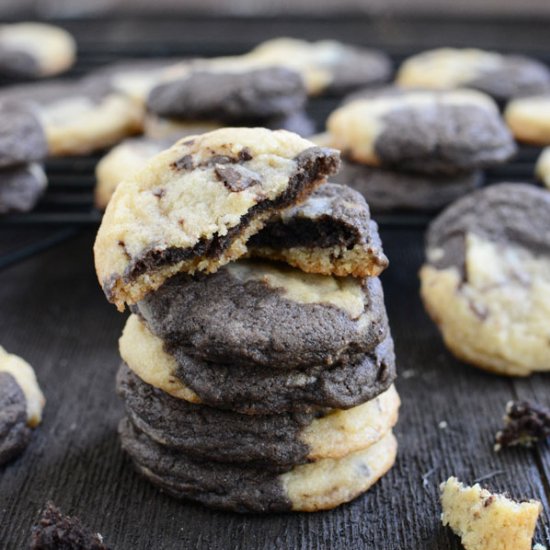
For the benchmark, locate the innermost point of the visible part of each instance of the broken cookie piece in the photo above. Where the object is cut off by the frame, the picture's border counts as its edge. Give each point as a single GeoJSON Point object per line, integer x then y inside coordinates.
{"type": "Point", "coordinates": [488, 521]}
{"type": "Point", "coordinates": [185, 212]}
{"type": "Point", "coordinates": [54, 531]}
{"type": "Point", "coordinates": [525, 423]}
{"type": "Point", "coordinates": [331, 234]}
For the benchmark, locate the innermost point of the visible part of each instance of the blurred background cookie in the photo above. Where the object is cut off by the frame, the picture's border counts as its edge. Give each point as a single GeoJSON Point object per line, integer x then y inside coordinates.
{"type": "Point", "coordinates": [503, 77]}
{"type": "Point", "coordinates": [529, 119]}
{"type": "Point", "coordinates": [486, 283]}
{"type": "Point", "coordinates": [34, 50]}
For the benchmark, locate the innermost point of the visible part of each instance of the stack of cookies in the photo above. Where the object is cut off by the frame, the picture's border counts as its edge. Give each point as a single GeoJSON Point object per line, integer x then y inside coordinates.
{"type": "Point", "coordinates": [22, 149]}
{"type": "Point", "coordinates": [257, 362]}
{"type": "Point", "coordinates": [417, 149]}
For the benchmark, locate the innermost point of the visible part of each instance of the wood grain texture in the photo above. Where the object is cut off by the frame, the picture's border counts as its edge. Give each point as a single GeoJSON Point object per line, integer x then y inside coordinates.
{"type": "Point", "coordinates": [55, 316]}
{"type": "Point", "coordinates": [52, 313]}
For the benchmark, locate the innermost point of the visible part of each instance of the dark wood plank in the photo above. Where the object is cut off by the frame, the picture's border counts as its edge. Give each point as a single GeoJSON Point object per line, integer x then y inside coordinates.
{"type": "Point", "coordinates": [54, 315]}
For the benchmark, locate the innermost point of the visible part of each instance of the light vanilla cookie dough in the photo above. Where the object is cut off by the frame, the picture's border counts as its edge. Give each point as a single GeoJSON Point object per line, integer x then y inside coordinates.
{"type": "Point", "coordinates": [80, 117]}
{"type": "Point", "coordinates": [327, 66]}
{"type": "Point", "coordinates": [486, 283]}
{"type": "Point", "coordinates": [122, 161]}
{"type": "Point", "coordinates": [501, 76]}
{"type": "Point", "coordinates": [194, 206]}
{"type": "Point", "coordinates": [488, 521]}
{"type": "Point", "coordinates": [529, 119]}
{"type": "Point", "coordinates": [35, 50]}
{"type": "Point", "coordinates": [542, 168]}
{"type": "Point", "coordinates": [276, 441]}
{"type": "Point", "coordinates": [321, 485]}
{"type": "Point", "coordinates": [21, 404]}
{"type": "Point", "coordinates": [421, 130]}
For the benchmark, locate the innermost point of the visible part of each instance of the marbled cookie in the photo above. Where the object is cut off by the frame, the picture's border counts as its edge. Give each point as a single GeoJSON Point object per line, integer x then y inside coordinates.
{"type": "Point", "coordinates": [433, 132]}
{"type": "Point", "coordinates": [486, 282]}
{"type": "Point", "coordinates": [256, 389]}
{"type": "Point", "coordinates": [388, 190]}
{"type": "Point", "coordinates": [21, 404]}
{"type": "Point", "coordinates": [321, 485]}
{"type": "Point", "coordinates": [331, 233]}
{"type": "Point", "coordinates": [276, 441]}
{"type": "Point", "coordinates": [194, 206]}
{"type": "Point", "coordinates": [326, 66]}
{"type": "Point", "coordinates": [79, 117]}
{"type": "Point", "coordinates": [22, 138]}
{"type": "Point", "coordinates": [501, 76]}
{"type": "Point", "coordinates": [529, 119]}
{"type": "Point", "coordinates": [21, 187]}
{"type": "Point", "coordinates": [259, 313]}
{"type": "Point", "coordinates": [32, 50]}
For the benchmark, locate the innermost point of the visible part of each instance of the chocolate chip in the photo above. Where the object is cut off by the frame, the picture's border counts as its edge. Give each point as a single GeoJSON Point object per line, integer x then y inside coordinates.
{"type": "Point", "coordinates": [236, 178]}
{"type": "Point", "coordinates": [159, 193]}
{"type": "Point", "coordinates": [525, 424]}
{"type": "Point", "coordinates": [488, 501]}
{"type": "Point", "coordinates": [245, 155]}
{"type": "Point", "coordinates": [184, 163]}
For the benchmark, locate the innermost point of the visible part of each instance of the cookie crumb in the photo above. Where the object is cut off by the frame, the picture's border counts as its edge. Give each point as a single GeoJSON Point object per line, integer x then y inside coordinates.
{"type": "Point", "coordinates": [488, 521]}
{"type": "Point", "coordinates": [54, 531]}
{"type": "Point", "coordinates": [443, 425]}
{"type": "Point", "coordinates": [525, 423]}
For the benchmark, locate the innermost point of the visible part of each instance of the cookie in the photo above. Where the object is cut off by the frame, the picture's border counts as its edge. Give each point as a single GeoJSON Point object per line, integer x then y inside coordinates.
{"type": "Point", "coordinates": [433, 132]}
{"type": "Point", "coordinates": [21, 188]}
{"type": "Point", "coordinates": [233, 97]}
{"type": "Point", "coordinates": [321, 485]}
{"type": "Point", "coordinates": [529, 119]}
{"type": "Point", "coordinates": [388, 190]}
{"type": "Point", "coordinates": [254, 313]}
{"type": "Point", "coordinates": [331, 233]}
{"type": "Point", "coordinates": [121, 161]}
{"type": "Point", "coordinates": [501, 76]}
{"type": "Point", "coordinates": [327, 66]}
{"type": "Point", "coordinates": [486, 282]}
{"type": "Point", "coordinates": [488, 521]}
{"type": "Point", "coordinates": [274, 441]}
{"type": "Point", "coordinates": [194, 206]}
{"type": "Point", "coordinates": [542, 169]}
{"type": "Point", "coordinates": [54, 531]}
{"type": "Point", "coordinates": [155, 127]}
{"type": "Point", "coordinates": [256, 389]}
{"type": "Point", "coordinates": [32, 50]}
{"type": "Point", "coordinates": [22, 138]}
{"type": "Point", "coordinates": [79, 117]}
{"type": "Point", "coordinates": [21, 404]}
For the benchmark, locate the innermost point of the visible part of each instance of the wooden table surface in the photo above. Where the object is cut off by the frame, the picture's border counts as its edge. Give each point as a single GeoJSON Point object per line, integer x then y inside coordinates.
{"type": "Point", "coordinates": [53, 313]}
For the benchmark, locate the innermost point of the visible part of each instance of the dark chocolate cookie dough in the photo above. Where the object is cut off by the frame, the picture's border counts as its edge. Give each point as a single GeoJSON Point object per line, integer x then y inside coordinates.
{"type": "Point", "coordinates": [386, 190]}
{"type": "Point", "coordinates": [241, 316]}
{"type": "Point", "coordinates": [22, 138]}
{"type": "Point", "coordinates": [230, 96]}
{"type": "Point", "coordinates": [331, 233]}
{"type": "Point", "coordinates": [227, 486]}
{"type": "Point", "coordinates": [265, 390]}
{"type": "Point", "coordinates": [21, 187]}
{"type": "Point", "coordinates": [513, 213]}
{"type": "Point", "coordinates": [214, 434]}
{"type": "Point", "coordinates": [14, 432]}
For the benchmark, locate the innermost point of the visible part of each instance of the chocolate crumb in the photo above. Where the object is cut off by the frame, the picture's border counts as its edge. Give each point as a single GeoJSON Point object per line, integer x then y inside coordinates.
{"type": "Point", "coordinates": [525, 423]}
{"type": "Point", "coordinates": [488, 501]}
{"type": "Point", "coordinates": [236, 178]}
{"type": "Point", "coordinates": [159, 193]}
{"type": "Point", "coordinates": [54, 531]}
